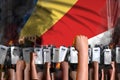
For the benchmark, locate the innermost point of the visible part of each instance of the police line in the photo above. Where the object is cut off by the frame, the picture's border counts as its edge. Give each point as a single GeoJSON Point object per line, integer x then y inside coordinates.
{"type": "Point", "coordinates": [102, 54]}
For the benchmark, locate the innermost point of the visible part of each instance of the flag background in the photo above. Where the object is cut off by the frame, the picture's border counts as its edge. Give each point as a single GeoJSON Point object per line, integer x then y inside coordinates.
{"type": "Point", "coordinates": [57, 22]}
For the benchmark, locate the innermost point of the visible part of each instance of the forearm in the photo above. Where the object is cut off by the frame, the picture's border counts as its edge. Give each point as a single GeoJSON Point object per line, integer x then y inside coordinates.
{"type": "Point", "coordinates": [64, 70]}
{"type": "Point", "coordinates": [53, 76]}
{"type": "Point", "coordinates": [112, 72]}
{"type": "Point", "coordinates": [40, 75]}
{"type": "Point", "coordinates": [96, 71]}
{"type": "Point", "coordinates": [91, 74]}
{"type": "Point", "coordinates": [48, 74]}
{"type": "Point", "coordinates": [33, 71]}
{"type": "Point", "coordinates": [102, 78]}
{"type": "Point", "coordinates": [20, 70]}
{"type": "Point", "coordinates": [12, 74]}
{"type": "Point", "coordinates": [27, 72]}
{"type": "Point", "coordinates": [73, 75]}
{"type": "Point", "coordinates": [81, 44]}
{"type": "Point", "coordinates": [112, 75]}
{"type": "Point", "coordinates": [19, 75]}
{"type": "Point", "coordinates": [82, 66]}
{"type": "Point", "coordinates": [2, 75]}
